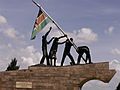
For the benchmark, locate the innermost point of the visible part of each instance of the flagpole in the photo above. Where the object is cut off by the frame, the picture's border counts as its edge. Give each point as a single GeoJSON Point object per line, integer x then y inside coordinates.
{"type": "Point", "coordinates": [54, 22]}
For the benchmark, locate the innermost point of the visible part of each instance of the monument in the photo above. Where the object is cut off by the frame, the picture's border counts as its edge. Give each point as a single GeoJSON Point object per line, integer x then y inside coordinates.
{"type": "Point", "coordinates": [55, 77]}
{"type": "Point", "coordinates": [50, 76]}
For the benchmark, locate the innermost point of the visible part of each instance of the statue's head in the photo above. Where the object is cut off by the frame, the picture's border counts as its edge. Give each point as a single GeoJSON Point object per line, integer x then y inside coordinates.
{"type": "Point", "coordinates": [43, 37]}
{"type": "Point", "coordinates": [56, 39]}
{"type": "Point", "coordinates": [71, 39]}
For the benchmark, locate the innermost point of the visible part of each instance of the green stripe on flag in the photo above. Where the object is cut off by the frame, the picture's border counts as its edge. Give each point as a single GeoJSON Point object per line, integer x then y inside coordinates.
{"type": "Point", "coordinates": [44, 23]}
{"type": "Point", "coordinates": [34, 32]}
{"type": "Point", "coordinates": [39, 27]}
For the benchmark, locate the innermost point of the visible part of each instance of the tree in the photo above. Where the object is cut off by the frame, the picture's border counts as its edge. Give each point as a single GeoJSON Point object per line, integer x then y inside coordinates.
{"type": "Point", "coordinates": [118, 87]}
{"type": "Point", "coordinates": [12, 65]}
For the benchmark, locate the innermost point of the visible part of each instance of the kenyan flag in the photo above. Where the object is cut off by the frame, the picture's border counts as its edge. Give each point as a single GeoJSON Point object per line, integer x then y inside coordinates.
{"type": "Point", "coordinates": [41, 21]}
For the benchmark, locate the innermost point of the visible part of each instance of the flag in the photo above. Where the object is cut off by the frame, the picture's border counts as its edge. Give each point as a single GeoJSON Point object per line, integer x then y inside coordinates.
{"type": "Point", "coordinates": [41, 21]}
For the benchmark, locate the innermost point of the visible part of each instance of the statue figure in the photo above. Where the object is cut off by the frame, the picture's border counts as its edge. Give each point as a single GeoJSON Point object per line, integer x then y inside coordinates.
{"type": "Point", "coordinates": [44, 48]}
{"type": "Point", "coordinates": [66, 52]}
{"type": "Point", "coordinates": [81, 50]}
{"type": "Point", "coordinates": [54, 47]}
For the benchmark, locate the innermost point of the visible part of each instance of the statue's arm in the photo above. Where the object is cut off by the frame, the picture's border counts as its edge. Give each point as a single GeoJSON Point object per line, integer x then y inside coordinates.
{"type": "Point", "coordinates": [62, 36]}
{"type": "Point", "coordinates": [48, 32]}
{"type": "Point", "coordinates": [61, 42]}
{"type": "Point", "coordinates": [50, 40]}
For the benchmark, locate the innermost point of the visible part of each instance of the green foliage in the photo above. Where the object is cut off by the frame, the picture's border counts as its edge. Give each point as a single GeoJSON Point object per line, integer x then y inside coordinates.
{"type": "Point", "coordinates": [12, 65]}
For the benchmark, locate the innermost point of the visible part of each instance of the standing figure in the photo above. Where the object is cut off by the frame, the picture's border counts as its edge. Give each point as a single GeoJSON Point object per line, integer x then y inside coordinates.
{"type": "Point", "coordinates": [54, 47]}
{"type": "Point", "coordinates": [81, 50]}
{"type": "Point", "coordinates": [44, 48]}
{"type": "Point", "coordinates": [66, 52]}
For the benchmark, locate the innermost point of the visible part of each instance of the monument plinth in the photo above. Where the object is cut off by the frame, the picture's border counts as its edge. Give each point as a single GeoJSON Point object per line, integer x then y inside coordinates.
{"type": "Point", "coordinates": [55, 78]}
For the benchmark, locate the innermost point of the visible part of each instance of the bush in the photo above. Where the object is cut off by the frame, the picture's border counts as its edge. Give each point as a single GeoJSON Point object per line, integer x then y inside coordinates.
{"type": "Point", "coordinates": [12, 65]}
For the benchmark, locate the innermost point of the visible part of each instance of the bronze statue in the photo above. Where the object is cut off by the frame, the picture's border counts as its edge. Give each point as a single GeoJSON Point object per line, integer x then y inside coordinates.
{"type": "Point", "coordinates": [54, 47]}
{"type": "Point", "coordinates": [81, 50]}
{"type": "Point", "coordinates": [44, 48]}
{"type": "Point", "coordinates": [66, 52]}
{"type": "Point", "coordinates": [68, 43]}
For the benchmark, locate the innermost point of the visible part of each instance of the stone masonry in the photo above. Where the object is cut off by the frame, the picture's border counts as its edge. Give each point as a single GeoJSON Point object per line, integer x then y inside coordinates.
{"type": "Point", "coordinates": [55, 78]}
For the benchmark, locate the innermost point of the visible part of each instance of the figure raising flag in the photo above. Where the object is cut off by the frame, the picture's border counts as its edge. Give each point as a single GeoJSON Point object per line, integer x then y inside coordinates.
{"type": "Point", "coordinates": [41, 21]}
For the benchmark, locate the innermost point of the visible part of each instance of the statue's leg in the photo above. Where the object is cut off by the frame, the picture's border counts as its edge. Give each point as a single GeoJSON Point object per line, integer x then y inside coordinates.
{"type": "Point", "coordinates": [71, 58]}
{"type": "Point", "coordinates": [47, 59]}
{"type": "Point", "coordinates": [54, 61]}
{"type": "Point", "coordinates": [79, 58]}
{"type": "Point", "coordinates": [51, 61]}
{"type": "Point", "coordinates": [84, 59]}
{"type": "Point", "coordinates": [42, 60]}
{"type": "Point", "coordinates": [53, 58]}
{"type": "Point", "coordinates": [50, 57]}
{"type": "Point", "coordinates": [88, 57]}
{"type": "Point", "coordinates": [63, 58]}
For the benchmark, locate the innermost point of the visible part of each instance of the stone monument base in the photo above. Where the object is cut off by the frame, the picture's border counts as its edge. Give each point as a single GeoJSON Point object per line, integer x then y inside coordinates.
{"type": "Point", "coordinates": [42, 77]}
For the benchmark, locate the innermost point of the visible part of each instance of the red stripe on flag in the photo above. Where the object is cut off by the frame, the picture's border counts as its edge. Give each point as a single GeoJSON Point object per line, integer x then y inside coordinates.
{"type": "Point", "coordinates": [40, 18]}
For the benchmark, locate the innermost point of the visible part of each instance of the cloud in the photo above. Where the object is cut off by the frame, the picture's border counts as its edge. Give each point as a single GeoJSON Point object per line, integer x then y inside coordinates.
{"type": "Point", "coordinates": [115, 51]}
{"type": "Point", "coordinates": [115, 64]}
{"type": "Point", "coordinates": [109, 30]}
{"type": "Point", "coordinates": [54, 32]}
{"type": "Point", "coordinates": [29, 56]}
{"type": "Point", "coordinates": [11, 33]}
{"type": "Point", "coordinates": [13, 44]}
{"type": "Point", "coordinates": [8, 32]}
{"type": "Point", "coordinates": [84, 35]}
{"type": "Point", "coordinates": [5, 46]}
{"type": "Point", "coordinates": [26, 55]}
{"type": "Point", "coordinates": [2, 20]}
{"type": "Point", "coordinates": [27, 61]}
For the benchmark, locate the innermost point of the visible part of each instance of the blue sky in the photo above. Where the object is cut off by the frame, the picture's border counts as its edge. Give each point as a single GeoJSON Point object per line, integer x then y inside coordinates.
{"type": "Point", "coordinates": [94, 23]}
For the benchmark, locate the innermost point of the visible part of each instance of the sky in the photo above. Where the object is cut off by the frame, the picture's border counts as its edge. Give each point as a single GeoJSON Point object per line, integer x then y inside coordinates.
{"type": "Point", "coordinates": [94, 23]}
